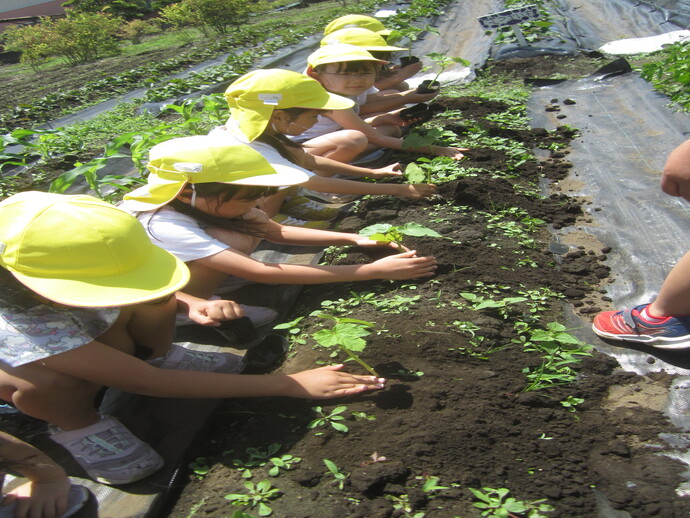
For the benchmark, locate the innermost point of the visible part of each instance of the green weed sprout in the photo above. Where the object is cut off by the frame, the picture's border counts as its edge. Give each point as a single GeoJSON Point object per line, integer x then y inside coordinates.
{"type": "Point", "coordinates": [348, 334]}
{"type": "Point", "coordinates": [386, 233]}
{"type": "Point", "coordinates": [333, 418]}
{"type": "Point", "coordinates": [257, 496]}
{"type": "Point", "coordinates": [339, 476]}
{"type": "Point", "coordinates": [497, 504]}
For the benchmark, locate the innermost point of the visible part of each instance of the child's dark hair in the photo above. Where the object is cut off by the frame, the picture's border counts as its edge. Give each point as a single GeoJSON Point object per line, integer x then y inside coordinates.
{"type": "Point", "coordinates": [280, 142]}
{"type": "Point", "coordinates": [224, 192]}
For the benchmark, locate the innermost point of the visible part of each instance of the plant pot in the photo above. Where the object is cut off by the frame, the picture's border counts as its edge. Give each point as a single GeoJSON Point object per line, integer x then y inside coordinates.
{"type": "Point", "coordinates": [408, 60]}
{"type": "Point", "coordinates": [419, 111]}
{"type": "Point", "coordinates": [428, 87]}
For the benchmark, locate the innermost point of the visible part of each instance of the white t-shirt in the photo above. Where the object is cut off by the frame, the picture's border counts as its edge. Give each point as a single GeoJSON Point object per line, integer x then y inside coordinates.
{"type": "Point", "coordinates": [179, 234]}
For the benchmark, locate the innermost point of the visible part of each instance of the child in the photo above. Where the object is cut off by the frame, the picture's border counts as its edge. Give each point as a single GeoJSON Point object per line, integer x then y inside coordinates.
{"type": "Point", "coordinates": [392, 91]}
{"type": "Point", "coordinates": [665, 322]}
{"type": "Point", "coordinates": [297, 100]}
{"type": "Point", "coordinates": [213, 224]}
{"type": "Point", "coordinates": [48, 493]}
{"type": "Point", "coordinates": [350, 71]}
{"type": "Point", "coordinates": [393, 77]}
{"type": "Point", "coordinates": [86, 288]}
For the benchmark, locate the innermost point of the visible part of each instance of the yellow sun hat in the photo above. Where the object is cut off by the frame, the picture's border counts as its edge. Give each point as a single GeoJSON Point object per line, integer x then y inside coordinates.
{"type": "Point", "coordinates": [340, 53]}
{"type": "Point", "coordinates": [206, 159]}
{"type": "Point", "coordinates": [254, 96]}
{"type": "Point", "coordinates": [356, 20]}
{"type": "Point", "coordinates": [364, 38]}
{"type": "Point", "coordinates": [80, 251]}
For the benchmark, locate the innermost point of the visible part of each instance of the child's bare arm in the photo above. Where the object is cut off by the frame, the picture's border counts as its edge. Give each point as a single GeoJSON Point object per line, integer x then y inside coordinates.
{"type": "Point", "coordinates": [348, 119]}
{"type": "Point", "coordinates": [340, 186]}
{"type": "Point", "coordinates": [104, 365]}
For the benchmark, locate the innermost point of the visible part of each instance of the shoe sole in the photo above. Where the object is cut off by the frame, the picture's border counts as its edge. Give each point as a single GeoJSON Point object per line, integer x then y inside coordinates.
{"type": "Point", "coordinates": [652, 341]}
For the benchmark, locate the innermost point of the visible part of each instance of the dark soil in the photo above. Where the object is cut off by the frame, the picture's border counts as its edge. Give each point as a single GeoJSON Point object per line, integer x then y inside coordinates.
{"type": "Point", "coordinates": [467, 419]}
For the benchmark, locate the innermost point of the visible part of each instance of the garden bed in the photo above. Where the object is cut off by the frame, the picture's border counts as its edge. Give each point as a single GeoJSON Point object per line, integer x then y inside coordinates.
{"type": "Point", "coordinates": [458, 413]}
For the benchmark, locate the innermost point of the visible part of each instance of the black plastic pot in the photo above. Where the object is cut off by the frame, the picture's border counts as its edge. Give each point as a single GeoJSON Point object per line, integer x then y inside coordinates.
{"type": "Point", "coordinates": [408, 60]}
{"type": "Point", "coordinates": [428, 87]}
{"type": "Point", "coordinates": [419, 111]}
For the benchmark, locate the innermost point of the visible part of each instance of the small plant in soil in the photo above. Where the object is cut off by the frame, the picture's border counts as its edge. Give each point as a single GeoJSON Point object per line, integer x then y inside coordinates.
{"type": "Point", "coordinates": [333, 418]}
{"type": "Point", "coordinates": [256, 458]}
{"type": "Point", "coordinates": [571, 403]}
{"type": "Point", "coordinates": [363, 416]}
{"type": "Point", "coordinates": [347, 334]}
{"type": "Point", "coordinates": [496, 503]}
{"type": "Point", "coordinates": [386, 233]}
{"type": "Point", "coordinates": [479, 302]}
{"type": "Point", "coordinates": [339, 476]}
{"type": "Point", "coordinates": [257, 495]}
{"type": "Point", "coordinates": [428, 137]}
{"type": "Point", "coordinates": [199, 467]}
{"type": "Point", "coordinates": [284, 462]}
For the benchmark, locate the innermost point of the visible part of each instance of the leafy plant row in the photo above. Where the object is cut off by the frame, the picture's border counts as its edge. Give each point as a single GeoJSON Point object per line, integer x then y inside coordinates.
{"type": "Point", "coordinates": [670, 73]}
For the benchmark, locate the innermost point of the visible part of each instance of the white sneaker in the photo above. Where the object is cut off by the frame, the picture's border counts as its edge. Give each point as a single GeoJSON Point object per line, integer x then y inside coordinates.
{"type": "Point", "coordinates": [109, 452]}
{"type": "Point", "coordinates": [181, 358]}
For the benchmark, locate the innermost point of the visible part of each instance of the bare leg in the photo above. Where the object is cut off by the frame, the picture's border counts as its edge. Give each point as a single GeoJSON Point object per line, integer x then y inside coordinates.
{"type": "Point", "coordinates": [68, 402]}
{"type": "Point", "coordinates": [343, 145]}
{"type": "Point", "coordinates": [674, 299]}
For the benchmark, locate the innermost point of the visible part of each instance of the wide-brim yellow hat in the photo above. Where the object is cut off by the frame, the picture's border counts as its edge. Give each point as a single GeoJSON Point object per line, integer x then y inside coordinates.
{"type": "Point", "coordinates": [80, 251]}
{"type": "Point", "coordinates": [341, 53]}
{"type": "Point", "coordinates": [206, 159]}
{"type": "Point", "coordinates": [356, 20]}
{"type": "Point", "coordinates": [360, 37]}
{"type": "Point", "coordinates": [254, 96]}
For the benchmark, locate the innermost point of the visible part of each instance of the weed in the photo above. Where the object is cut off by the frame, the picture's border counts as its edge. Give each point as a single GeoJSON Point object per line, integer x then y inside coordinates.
{"type": "Point", "coordinates": [200, 467]}
{"type": "Point", "coordinates": [257, 495]}
{"type": "Point", "coordinates": [284, 462]}
{"type": "Point", "coordinates": [496, 503]}
{"type": "Point", "coordinates": [339, 476]}
{"type": "Point", "coordinates": [333, 419]}
{"type": "Point", "coordinates": [256, 459]}
{"type": "Point", "coordinates": [571, 403]}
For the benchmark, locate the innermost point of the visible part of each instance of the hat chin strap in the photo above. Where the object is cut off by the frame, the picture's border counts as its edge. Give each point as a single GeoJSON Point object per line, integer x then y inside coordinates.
{"type": "Point", "coordinates": [192, 202]}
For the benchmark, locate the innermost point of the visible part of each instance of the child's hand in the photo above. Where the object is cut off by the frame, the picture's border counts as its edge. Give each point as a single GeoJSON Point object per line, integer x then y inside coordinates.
{"type": "Point", "coordinates": [330, 382]}
{"type": "Point", "coordinates": [213, 312]}
{"type": "Point", "coordinates": [412, 96]}
{"type": "Point", "coordinates": [45, 499]}
{"type": "Point", "coordinates": [453, 152]}
{"type": "Point", "coordinates": [403, 266]}
{"type": "Point", "coordinates": [389, 170]}
{"type": "Point", "coordinates": [414, 191]}
{"type": "Point", "coordinates": [408, 71]}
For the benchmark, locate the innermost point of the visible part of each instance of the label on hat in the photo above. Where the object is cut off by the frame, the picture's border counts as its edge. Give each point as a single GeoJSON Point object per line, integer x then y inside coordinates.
{"type": "Point", "coordinates": [271, 98]}
{"type": "Point", "coordinates": [2, 247]}
{"type": "Point", "coordinates": [188, 167]}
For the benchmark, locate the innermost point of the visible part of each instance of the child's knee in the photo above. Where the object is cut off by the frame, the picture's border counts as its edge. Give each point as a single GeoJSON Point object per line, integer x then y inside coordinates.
{"type": "Point", "coordinates": [354, 141]}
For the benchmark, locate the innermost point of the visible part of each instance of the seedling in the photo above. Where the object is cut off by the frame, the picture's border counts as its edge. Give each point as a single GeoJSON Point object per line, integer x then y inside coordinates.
{"type": "Point", "coordinates": [431, 484]}
{"type": "Point", "coordinates": [496, 503]}
{"type": "Point", "coordinates": [415, 174]}
{"type": "Point", "coordinates": [363, 416]}
{"type": "Point", "coordinates": [571, 403]}
{"type": "Point", "coordinates": [258, 495]}
{"type": "Point", "coordinates": [285, 462]}
{"type": "Point", "coordinates": [443, 62]}
{"type": "Point", "coordinates": [347, 334]}
{"type": "Point", "coordinates": [386, 233]}
{"type": "Point", "coordinates": [334, 418]}
{"type": "Point", "coordinates": [257, 458]}
{"type": "Point", "coordinates": [339, 477]}
{"type": "Point", "coordinates": [200, 467]}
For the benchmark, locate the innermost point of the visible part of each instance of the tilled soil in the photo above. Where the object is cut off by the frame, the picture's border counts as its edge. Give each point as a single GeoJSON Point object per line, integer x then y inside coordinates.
{"type": "Point", "coordinates": [455, 406]}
